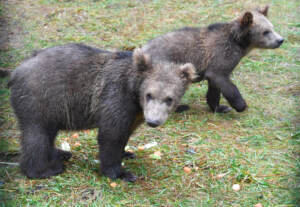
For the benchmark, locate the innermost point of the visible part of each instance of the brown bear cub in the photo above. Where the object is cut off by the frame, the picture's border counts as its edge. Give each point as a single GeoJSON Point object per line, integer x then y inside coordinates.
{"type": "Point", "coordinates": [216, 50]}
{"type": "Point", "coordinates": [74, 87]}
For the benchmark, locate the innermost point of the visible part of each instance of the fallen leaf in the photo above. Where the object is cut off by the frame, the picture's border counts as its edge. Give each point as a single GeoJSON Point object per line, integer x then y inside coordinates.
{"type": "Point", "coordinates": [130, 150]}
{"type": "Point", "coordinates": [187, 169]}
{"type": "Point", "coordinates": [87, 131]}
{"type": "Point", "coordinates": [75, 135]}
{"type": "Point", "coordinates": [157, 153]}
{"type": "Point", "coordinates": [219, 176]}
{"type": "Point", "coordinates": [113, 184]}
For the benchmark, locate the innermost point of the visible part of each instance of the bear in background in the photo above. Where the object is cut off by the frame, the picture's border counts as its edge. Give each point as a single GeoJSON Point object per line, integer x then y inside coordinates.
{"type": "Point", "coordinates": [75, 87]}
{"type": "Point", "coordinates": [215, 51]}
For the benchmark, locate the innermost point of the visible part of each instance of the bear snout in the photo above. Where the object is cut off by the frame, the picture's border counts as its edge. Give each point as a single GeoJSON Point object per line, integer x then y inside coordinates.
{"type": "Point", "coordinates": [153, 123]}
{"type": "Point", "coordinates": [280, 41]}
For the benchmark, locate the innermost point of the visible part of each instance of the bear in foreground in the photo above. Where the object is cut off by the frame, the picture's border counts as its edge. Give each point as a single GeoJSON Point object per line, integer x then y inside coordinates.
{"type": "Point", "coordinates": [216, 50]}
{"type": "Point", "coordinates": [74, 87]}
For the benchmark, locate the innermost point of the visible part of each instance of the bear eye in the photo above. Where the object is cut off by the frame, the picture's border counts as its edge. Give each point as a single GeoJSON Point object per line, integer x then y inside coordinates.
{"type": "Point", "coordinates": [266, 32]}
{"type": "Point", "coordinates": [169, 101]}
{"type": "Point", "coordinates": [148, 96]}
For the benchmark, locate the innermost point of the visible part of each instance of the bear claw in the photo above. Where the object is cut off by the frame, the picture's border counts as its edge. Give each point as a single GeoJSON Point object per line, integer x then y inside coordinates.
{"type": "Point", "coordinates": [55, 170]}
{"type": "Point", "coordinates": [223, 109]}
{"type": "Point", "coordinates": [128, 177]}
{"type": "Point", "coordinates": [63, 155]}
{"type": "Point", "coordinates": [128, 155]}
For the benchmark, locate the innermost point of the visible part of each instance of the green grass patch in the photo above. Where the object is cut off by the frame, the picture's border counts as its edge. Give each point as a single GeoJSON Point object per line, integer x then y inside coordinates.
{"type": "Point", "coordinates": [258, 149]}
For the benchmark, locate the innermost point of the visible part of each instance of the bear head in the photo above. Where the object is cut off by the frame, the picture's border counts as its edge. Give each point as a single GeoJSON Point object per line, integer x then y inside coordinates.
{"type": "Point", "coordinates": [163, 85]}
{"type": "Point", "coordinates": [260, 31]}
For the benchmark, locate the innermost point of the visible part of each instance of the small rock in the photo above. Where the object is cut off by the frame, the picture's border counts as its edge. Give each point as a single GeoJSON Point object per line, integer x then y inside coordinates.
{"type": "Point", "coordinates": [65, 146]}
{"type": "Point", "coordinates": [219, 176]}
{"type": "Point", "coordinates": [1, 183]}
{"type": "Point", "coordinates": [149, 145]}
{"type": "Point", "coordinates": [236, 187]}
{"type": "Point", "coordinates": [190, 151]}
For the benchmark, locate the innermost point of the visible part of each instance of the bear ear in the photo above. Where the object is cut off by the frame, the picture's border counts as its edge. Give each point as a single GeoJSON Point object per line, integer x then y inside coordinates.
{"type": "Point", "coordinates": [188, 72]}
{"type": "Point", "coordinates": [141, 60]}
{"type": "Point", "coordinates": [247, 19]}
{"type": "Point", "coordinates": [264, 10]}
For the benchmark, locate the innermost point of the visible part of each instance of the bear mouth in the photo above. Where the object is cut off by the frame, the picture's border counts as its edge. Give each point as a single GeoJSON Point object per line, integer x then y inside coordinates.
{"type": "Point", "coordinates": [277, 46]}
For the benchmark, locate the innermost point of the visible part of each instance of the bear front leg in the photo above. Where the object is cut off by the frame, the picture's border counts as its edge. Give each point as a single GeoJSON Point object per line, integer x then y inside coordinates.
{"type": "Point", "coordinates": [111, 147]}
{"type": "Point", "coordinates": [117, 117]}
{"type": "Point", "coordinates": [213, 99]}
{"type": "Point", "coordinates": [230, 92]}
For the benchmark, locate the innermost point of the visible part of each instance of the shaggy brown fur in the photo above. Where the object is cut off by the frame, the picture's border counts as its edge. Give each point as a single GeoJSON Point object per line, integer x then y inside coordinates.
{"type": "Point", "coordinates": [216, 50]}
{"type": "Point", "coordinates": [74, 87]}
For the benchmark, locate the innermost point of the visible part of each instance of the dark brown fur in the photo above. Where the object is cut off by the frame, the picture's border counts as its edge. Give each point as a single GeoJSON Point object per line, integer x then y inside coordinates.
{"type": "Point", "coordinates": [215, 51]}
{"type": "Point", "coordinates": [74, 87]}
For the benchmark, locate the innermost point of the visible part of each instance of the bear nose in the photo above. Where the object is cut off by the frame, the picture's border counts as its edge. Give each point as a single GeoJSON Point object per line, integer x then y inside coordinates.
{"type": "Point", "coordinates": [280, 41]}
{"type": "Point", "coordinates": [153, 123]}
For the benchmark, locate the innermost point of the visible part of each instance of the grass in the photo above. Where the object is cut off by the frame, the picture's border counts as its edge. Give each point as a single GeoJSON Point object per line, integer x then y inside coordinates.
{"type": "Point", "coordinates": [258, 149]}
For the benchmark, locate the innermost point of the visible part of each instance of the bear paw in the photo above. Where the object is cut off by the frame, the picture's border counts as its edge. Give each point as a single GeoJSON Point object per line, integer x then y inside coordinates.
{"type": "Point", "coordinates": [223, 109]}
{"type": "Point", "coordinates": [62, 155]}
{"type": "Point", "coordinates": [182, 108]}
{"type": "Point", "coordinates": [128, 155]}
{"type": "Point", "coordinates": [51, 170]}
{"type": "Point", "coordinates": [116, 172]}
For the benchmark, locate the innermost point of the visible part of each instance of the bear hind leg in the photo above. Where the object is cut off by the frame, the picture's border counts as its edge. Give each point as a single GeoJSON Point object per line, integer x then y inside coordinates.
{"type": "Point", "coordinates": [213, 99]}
{"type": "Point", "coordinates": [37, 160]}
